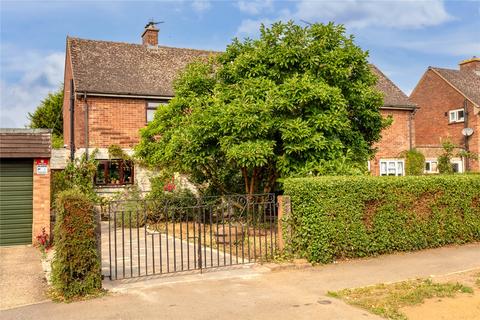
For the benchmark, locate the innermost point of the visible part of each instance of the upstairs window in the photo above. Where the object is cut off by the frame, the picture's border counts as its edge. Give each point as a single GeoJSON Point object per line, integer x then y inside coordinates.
{"type": "Point", "coordinates": [392, 167]}
{"type": "Point", "coordinates": [152, 107]}
{"type": "Point", "coordinates": [455, 116]}
{"type": "Point", "coordinates": [114, 173]}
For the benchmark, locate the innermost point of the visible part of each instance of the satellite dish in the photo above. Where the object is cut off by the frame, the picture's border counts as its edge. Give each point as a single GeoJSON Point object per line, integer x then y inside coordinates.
{"type": "Point", "coordinates": [467, 132]}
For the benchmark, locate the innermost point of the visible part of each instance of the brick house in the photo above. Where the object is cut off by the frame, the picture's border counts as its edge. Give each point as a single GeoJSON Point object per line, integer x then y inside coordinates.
{"type": "Point", "coordinates": [400, 135]}
{"type": "Point", "coordinates": [112, 90]}
{"type": "Point", "coordinates": [449, 102]}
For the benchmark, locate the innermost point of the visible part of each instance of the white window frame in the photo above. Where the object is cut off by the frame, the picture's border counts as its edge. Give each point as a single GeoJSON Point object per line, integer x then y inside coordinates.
{"type": "Point", "coordinates": [458, 162]}
{"type": "Point", "coordinates": [152, 106]}
{"type": "Point", "coordinates": [453, 116]}
{"type": "Point", "coordinates": [387, 164]}
{"type": "Point", "coordinates": [430, 161]}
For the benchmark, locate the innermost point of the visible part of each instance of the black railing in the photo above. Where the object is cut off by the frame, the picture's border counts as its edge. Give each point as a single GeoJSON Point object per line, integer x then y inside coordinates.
{"type": "Point", "coordinates": [148, 238]}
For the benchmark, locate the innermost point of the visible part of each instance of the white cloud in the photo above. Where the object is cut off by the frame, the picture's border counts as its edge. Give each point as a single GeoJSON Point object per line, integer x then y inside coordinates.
{"type": "Point", "coordinates": [255, 7]}
{"type": "Point", "coordinates": [359, 14]}
{"type": "Point", "coordinates": [201, 5]}
{"type": "Point", "coordinates": [31, 76]}
{"type": "Point", "coordinates": [399, 14]}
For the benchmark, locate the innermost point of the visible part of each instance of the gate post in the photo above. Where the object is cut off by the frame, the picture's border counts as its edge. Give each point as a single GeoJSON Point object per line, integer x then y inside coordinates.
{"type": "Point", "coordinates": [284, 210]}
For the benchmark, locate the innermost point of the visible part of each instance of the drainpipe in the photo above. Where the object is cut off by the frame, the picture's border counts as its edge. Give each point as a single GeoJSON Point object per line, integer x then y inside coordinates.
{"type": "Point", "coordinates": [72, 121]}
{"type": "Point", "coordinates": [410, 128]}
{"type": "Point", "coordinates": [465, 125]}
{"type": "Point", "coordinates": [86, 124]}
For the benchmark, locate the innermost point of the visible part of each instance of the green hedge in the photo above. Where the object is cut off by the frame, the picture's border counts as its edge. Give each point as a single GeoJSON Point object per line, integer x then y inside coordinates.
{"type": "Point", "coordinates": [346, 217]}
{"type": "Point", "coordinates": [76, 265]}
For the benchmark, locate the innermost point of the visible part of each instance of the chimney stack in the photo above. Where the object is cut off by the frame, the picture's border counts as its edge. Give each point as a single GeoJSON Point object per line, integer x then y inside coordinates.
{"type": "Point", "coordinates": [472, 64]}
{"type": "Point", "coordinates": [150, 35]}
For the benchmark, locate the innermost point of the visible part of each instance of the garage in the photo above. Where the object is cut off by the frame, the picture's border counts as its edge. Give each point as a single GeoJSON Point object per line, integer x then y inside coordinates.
{"type": "Point", "coordinates": [16, 202]}
{"type": "Point", "coordinates": [24, 185]}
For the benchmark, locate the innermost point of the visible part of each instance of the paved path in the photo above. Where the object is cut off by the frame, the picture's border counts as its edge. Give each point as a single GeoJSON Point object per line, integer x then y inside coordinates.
{"type": "Point", "coordinates": [256, 294]}
{"type": "Point", "coordinates": [21, 276]}
{"type": "Point", "coordinates": [141, 252]}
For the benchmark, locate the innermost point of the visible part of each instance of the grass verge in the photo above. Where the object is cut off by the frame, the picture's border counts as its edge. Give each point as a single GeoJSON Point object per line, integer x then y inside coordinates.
{"type": "Point", "coordinates": [386, 300]}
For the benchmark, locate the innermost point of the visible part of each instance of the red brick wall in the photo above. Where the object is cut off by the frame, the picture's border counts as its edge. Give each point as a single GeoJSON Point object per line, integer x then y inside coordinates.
{"type": "Point", "coordinates": [41, 201]}
{"type": "Point", "coordinates": [435, 97]}
{"type": "Point", "coordinates": [79, 122]}
{"type": "Point", "coordinates": [115, 121]}
{"type": "Point", "coordinates": [395, 138]}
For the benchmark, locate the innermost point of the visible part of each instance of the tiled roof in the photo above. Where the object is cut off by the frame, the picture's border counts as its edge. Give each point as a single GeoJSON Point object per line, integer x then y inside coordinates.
{"type": "Point", "coordinates": [124, 68]}
{"type": "Point", "coordinates": [465, 81]}
{"type": "Point", "coordinates": [132, 69]}
{"type": "Point", "coordinates": [392, 95]}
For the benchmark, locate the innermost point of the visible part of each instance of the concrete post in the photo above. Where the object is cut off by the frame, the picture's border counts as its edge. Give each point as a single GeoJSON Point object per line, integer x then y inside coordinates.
{"type": "Point", "coordinates": [284, 210]}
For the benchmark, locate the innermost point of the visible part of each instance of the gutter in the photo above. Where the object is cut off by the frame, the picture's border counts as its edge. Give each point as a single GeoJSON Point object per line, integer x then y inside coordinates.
{"type": "Point", "coordinates": [114, 95]}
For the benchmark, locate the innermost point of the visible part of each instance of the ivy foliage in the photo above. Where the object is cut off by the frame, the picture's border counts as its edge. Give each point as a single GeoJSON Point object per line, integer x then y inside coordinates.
{"type": "Point", "coordinates": [76, 269]}
{"type": "Point", "coordinates": [296, 101]}
{"type": "Point", "coordinates": [414, 162]}
{"type": "Point", "coordinates": [77, 174]}
{"type": "Point", "coordinates": [346, 217]}
{"type": "Point", "coordinates": [48, 115]}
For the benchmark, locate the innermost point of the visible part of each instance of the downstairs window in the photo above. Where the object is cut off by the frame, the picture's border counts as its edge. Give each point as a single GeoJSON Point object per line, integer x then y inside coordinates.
{"type": "Point", "coordinates": [114, 173]}
{"type": "Point", "coordinates": [392, 167]}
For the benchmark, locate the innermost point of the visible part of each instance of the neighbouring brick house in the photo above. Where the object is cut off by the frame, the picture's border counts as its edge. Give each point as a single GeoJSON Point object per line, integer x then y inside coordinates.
{"type": "Point", "coordinates": [449, 102]}
{"type": "Point", "coordinates": [400, 135]}
{"type": "Point", "coordinates": [117, 87]}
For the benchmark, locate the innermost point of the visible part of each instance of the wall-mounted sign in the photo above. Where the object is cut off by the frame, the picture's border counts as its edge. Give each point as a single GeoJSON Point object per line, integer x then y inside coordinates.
{"type": "Point", "coordinates": [42, 169]}
{"type": "Point", "coordinates": [41, 166]}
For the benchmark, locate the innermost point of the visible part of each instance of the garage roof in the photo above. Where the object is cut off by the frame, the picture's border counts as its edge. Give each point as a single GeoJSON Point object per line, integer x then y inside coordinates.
{"type": "Point", "coordinates": [25, 143]}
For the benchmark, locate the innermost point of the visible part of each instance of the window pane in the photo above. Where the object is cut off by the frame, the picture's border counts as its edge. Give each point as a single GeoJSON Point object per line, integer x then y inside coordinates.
{"type": "Point", "coordinates": [383, 168]}
{"type": "Point", "coordinates": [460, 115]}
{"type": "Point", "coordinates": [127, 172]}
{"type": "Point", "coordinates": [400, 168]}
{"type": "Point", "coordinates": [100, 175]}
{"type": "Point", "coordinates": [114, 173]}
{"type": "Point", "coordinates": [434, 166]}
{"type": "Point", "coordinates": [452, 116]}
{"type": "Point", "coordinates": [150, 114]}
{"type": "Point", "coordinates": [427, 166]}
{"type": "Point", "coordinates": [456, 167]}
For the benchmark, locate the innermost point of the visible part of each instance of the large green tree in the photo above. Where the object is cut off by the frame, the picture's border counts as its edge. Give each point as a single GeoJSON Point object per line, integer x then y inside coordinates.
{"type": "Point", "coordinates": [296, 101]}
{"type": "Point", "coordinates": [48, 115]}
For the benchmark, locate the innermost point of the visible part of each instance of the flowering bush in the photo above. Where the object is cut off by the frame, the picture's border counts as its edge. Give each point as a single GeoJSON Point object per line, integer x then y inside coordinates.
{"type": "Point", "coordinates": [170, 186]}
{"type": "Point", "coordinates": [43, 241]}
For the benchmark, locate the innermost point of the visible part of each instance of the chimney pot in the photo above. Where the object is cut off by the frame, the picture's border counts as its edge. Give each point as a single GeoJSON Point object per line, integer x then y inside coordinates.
{"type": "Point", "coordinates": [150, 35]}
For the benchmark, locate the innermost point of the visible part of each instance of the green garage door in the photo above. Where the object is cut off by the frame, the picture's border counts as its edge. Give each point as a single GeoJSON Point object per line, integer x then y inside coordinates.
{"type": "Point", "coordinates": [16, 197]}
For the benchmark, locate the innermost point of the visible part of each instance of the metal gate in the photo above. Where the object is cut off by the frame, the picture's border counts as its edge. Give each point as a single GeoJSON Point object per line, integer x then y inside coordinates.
{"type": "Point", "coordinates": [147, 238]}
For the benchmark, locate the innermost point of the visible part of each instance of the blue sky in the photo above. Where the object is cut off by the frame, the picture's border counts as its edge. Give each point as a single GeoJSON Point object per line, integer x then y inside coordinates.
{"type": "Point", "coordinates": [403, 37]}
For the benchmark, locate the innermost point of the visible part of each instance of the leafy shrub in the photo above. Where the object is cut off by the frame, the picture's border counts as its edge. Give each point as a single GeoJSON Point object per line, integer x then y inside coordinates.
{"type": "Point", "coordinates": [344, 217]}
{"type": "Point", "coordinates": [77, 174]}
{"type": "Point", "coordinates": [414, 162]}
{"type": "Point", "coordinates": [76, 265]}
{"type": "Point", "coordinates": [169, 196]}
